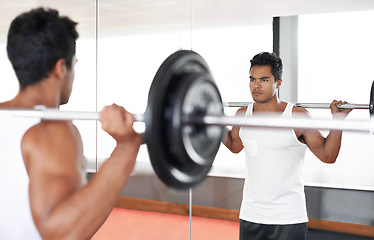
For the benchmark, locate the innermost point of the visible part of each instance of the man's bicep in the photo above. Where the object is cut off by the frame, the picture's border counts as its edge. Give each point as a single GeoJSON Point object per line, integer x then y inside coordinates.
{"type": "Point", "coordinates": [47, 191]}
{"type": "Point", "coordinates": [315, 142]}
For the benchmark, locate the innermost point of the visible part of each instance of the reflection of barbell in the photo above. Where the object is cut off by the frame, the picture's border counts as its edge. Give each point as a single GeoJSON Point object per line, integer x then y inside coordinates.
{"type": "Point", "coordinates": [306, 105]}
{"type": "Point", "coordinates": [184, 119]}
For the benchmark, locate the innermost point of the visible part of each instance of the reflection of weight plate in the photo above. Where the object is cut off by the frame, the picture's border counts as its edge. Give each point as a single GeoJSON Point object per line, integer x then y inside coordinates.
{"type": "Point", "coordinates": [182, 154]}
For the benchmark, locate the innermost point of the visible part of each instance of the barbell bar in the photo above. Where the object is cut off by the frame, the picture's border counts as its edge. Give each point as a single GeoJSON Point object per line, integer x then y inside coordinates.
{"type": "Point", "coordinates": [55, 114]}
{"type": "Point", "coordinates": [184, 119]}
{"type": "Point", "coordinates": [264, 120]}
{"type": "Point", "coordinates": [269, 121]}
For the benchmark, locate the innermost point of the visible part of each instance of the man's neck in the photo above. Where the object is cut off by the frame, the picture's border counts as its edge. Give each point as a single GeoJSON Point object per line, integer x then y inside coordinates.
{"type": "Point", "coordinates": [273, 105]}
{"type": "Point", "coordinates": [32, 96]}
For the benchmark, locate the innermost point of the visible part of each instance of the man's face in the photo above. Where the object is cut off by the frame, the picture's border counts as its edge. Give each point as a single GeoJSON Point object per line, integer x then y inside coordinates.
{"type": "Point", "coordinates": [262, 83]}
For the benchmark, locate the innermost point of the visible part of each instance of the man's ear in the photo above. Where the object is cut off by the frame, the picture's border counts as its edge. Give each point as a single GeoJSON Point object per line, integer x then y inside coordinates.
{"type": "Point", "coordinates": [60, 68]}
{"type": "Point", "coordinates": [279, 83]}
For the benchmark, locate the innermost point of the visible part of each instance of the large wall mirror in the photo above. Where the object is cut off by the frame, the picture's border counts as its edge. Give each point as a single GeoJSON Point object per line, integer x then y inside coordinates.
{"type": "Point", "coordinates": [122, 44]}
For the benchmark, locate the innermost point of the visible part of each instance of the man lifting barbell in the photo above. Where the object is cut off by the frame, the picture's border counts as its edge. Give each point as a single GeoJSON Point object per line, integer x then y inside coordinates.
{"type": "Point", "coordinates": [184, 128]}
{"type": "Point", "coordinates": [273, 204]}
{"type": "Point", "coordinates": [48, 199]}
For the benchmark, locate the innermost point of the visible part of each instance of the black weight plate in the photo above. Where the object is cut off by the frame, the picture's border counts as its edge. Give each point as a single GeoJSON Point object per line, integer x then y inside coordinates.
{"type": "Point", "coordinates": [170, 168]}
{"type": "Point", "coordinates": [195, 144]}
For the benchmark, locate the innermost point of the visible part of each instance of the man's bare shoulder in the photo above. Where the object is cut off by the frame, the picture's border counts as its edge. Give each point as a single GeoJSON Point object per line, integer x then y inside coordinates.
{"type": "Point", "coordinates": [7, 104]}
{"type": "Point", "coordinates": [300, 112]}
{"type": "Point", "coordinates": [52, 144]}
{"type": "Point", "coordinates": [241, 111]}
{"type": "Point", "coordinates": [51, 131]}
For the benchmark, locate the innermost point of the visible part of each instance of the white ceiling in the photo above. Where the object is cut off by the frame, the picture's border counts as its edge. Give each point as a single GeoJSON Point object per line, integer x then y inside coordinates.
{"type": "Point", "coordinates": [150, 15]}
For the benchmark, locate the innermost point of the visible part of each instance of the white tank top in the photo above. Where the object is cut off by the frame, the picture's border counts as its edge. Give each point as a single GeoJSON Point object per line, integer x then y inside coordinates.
{"type": "Point", "coordinates": [16, 222]}
{"type": "Point", "coordinates": [273, 189]}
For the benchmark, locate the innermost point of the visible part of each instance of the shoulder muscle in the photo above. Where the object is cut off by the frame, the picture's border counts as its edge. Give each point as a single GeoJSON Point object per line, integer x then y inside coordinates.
{"type": "Point", "coordinates": [53, 145]}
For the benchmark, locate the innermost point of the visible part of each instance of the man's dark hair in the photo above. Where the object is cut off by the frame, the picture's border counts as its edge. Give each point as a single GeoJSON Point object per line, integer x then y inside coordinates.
{"type": "Point", "coordinates": [36, 40]}
{"type": "Point", "coordinates": [264, 59]}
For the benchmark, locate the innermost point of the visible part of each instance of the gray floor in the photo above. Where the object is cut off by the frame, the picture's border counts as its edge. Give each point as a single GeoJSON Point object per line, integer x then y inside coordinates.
{"type": "Point", "coordinates": [325, 235]}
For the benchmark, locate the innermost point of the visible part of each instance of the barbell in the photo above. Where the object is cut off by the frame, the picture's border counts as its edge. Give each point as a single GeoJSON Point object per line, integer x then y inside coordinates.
{"type": "Point", "coordinates": [306, 105]}
{"type": "Point", "coordinates": [184, 119]}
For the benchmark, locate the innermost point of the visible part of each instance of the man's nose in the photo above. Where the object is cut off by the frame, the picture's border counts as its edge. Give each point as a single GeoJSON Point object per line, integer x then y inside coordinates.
{"type": "Point", "coordinates": [257, 84]}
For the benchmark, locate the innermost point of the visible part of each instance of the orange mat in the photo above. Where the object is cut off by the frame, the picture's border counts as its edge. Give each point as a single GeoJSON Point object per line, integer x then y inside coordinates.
{"type": "Point", "coordinates": [133, 224]}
